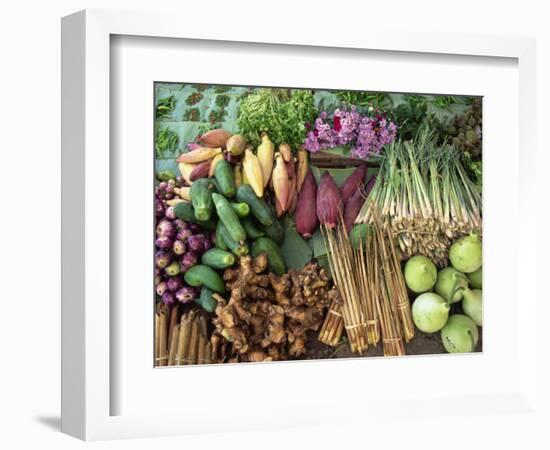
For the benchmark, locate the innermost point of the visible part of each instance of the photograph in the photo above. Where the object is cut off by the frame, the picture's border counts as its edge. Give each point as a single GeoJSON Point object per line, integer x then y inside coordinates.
{"type": "Point", "coordinates": [314, 224]}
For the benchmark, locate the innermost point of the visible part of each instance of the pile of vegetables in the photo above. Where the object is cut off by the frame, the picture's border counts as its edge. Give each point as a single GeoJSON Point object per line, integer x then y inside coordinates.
{"type": "Point", "coordinates": [257, 244]}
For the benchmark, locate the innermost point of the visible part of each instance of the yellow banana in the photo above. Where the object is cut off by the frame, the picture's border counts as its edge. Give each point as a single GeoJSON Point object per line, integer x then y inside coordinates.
{"type": "Point", "coordinates": [252, 170]}
{"type": "Point", "coordinates": [302, 167]}
{"type": "Point", "coordinates": [185, 170]}
{"type": "Point", "coordinates": [183, 192]}
{"type": "Point", "coordinates": [265, 155]}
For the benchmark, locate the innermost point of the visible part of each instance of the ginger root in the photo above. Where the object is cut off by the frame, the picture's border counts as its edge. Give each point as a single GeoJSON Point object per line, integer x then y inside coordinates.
{"type": "Point", "coordinates": [267, 316]}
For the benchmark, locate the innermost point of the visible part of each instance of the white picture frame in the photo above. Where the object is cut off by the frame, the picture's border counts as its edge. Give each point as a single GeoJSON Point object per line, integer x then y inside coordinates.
{"type": "Point", "coordinates": [87, 327]}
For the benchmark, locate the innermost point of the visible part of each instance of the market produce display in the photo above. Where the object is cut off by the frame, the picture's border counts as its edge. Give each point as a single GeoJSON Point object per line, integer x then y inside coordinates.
{"type": "Point", "coordinates": [309, 224]}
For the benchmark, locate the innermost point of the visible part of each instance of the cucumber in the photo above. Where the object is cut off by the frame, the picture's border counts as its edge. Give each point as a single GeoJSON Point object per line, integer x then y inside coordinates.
{"type": "Point", "coordinates": [237, 248]}
{"type": "Point", "coordinates": [241, 209]}
{"type": "Point", "coordinates": [201, 275]}
{"type": "Point", "coordinates": [229, 218]}
{"type": "Point", "coordinates": [258, 206]}
{"type": "Point", "coordinates": [252, 231]}
{"type": "Point", "coordinates": [225, 178]}
{"type": "Point", "coordinates": [217, 258]}
{"type": "Point", "coordinates": [275, 261]}
{"type": "Point", "coordinates": [220, 243]}
{"type": "Point", "coordinates": [275, 231]}
{"type": "Point", "coordinates": [206, 300]}
{"type": "Point", "coordinates": [186, 212]}
{"type": "Point", "coordinates": [201, 198]}
{"type": "Point", "coordinates": [215, 185]}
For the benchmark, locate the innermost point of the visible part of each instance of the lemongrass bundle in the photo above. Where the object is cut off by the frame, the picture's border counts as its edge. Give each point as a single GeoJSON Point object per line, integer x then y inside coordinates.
{"type": "Point", "coordinates": [427, 196]}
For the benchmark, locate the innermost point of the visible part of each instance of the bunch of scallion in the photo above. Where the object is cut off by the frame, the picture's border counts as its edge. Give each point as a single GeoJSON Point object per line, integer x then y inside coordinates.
{"type": "Point", "coordinates": [424, 192]}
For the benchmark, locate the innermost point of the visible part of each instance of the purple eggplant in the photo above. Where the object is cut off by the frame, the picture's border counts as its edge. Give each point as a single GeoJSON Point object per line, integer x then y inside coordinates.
{"type": "Point", "coordinates": [207, 244]}
{"type": "Point", "coordinates": [195, 228]}
{"type": "Point", "coordinates": [164, 242]}
{"type": "Point", "coordinates": [188, 260]}
{"type": "Point", "coordinates": [159, 207]}
{"type": "Point", "coordinates": [178, 247]}
{"type": "Point", "coordinates": [165, 228]}
{"type": "Point", "coordinates": [180, 224]}
{"type": "Point", "coordinates": [161, 288]}
{"type": "Point", "coordinates": [196, 242]}
{"type": "Point", "coordinates": [168, 298]}
{"type": "Point", "coordinates": [173, 283]}
{"type": "Point", "coordinates": [183, 235]}
{"type": "Point", "coordinates": [173, 269]}
{"type": "Point", "coordinates": [162, 259]}
{"type": "Point", "coordinates": [186, 294]}
{"type": "Point", "coordinates": [169, 213]}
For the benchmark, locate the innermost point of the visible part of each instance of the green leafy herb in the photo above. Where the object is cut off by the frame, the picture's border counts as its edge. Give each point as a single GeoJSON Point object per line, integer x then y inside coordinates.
{"type": "Point", "coordinates": [165, 175]}
{"type": "Point", "coordinates": [205, 127]}
{"type": "Point", "coordinates": [222, 100]}
{"type": "Point", "coordinates": [444, 101]}
{"type": "Point", "coordinates": [166, 142]}
{"type": "Point", "coordinates": [165, 106]}
{"type": "Point", "coordinates": [378, 100]}
{"type": "Point", "coordinates": [281, 113]}
{"type": "Point", "coordinates": [410, 116]}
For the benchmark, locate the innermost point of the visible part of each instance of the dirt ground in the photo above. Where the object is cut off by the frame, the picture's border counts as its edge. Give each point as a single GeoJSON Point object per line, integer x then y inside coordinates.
{"type": "Point", "coordinates": [422, 344]}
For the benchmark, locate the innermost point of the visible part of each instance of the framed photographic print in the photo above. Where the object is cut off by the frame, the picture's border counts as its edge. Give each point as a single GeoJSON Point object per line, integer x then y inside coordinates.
{"type": "Point", "coordinates": [308, 225]}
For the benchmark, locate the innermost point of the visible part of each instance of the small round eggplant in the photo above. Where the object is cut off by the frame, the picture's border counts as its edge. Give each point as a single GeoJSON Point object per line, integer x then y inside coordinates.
{"type": "Point", "coordinates": [178, 247]}
{"type": "Point", "coordinates": [189, 260]}
{"type": "Point", "coordinates": [168, 298]}
{"type": "Point", "coordinates": [164, 242]}
{"type": "Point", "coordinates": [186, 294]}
{"type": "Point", "coordinates": [173, 283]}
{"type": "Point", "coordinates": [161, 288]}
{"type": "Point", "coordinates": [173, 269]}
